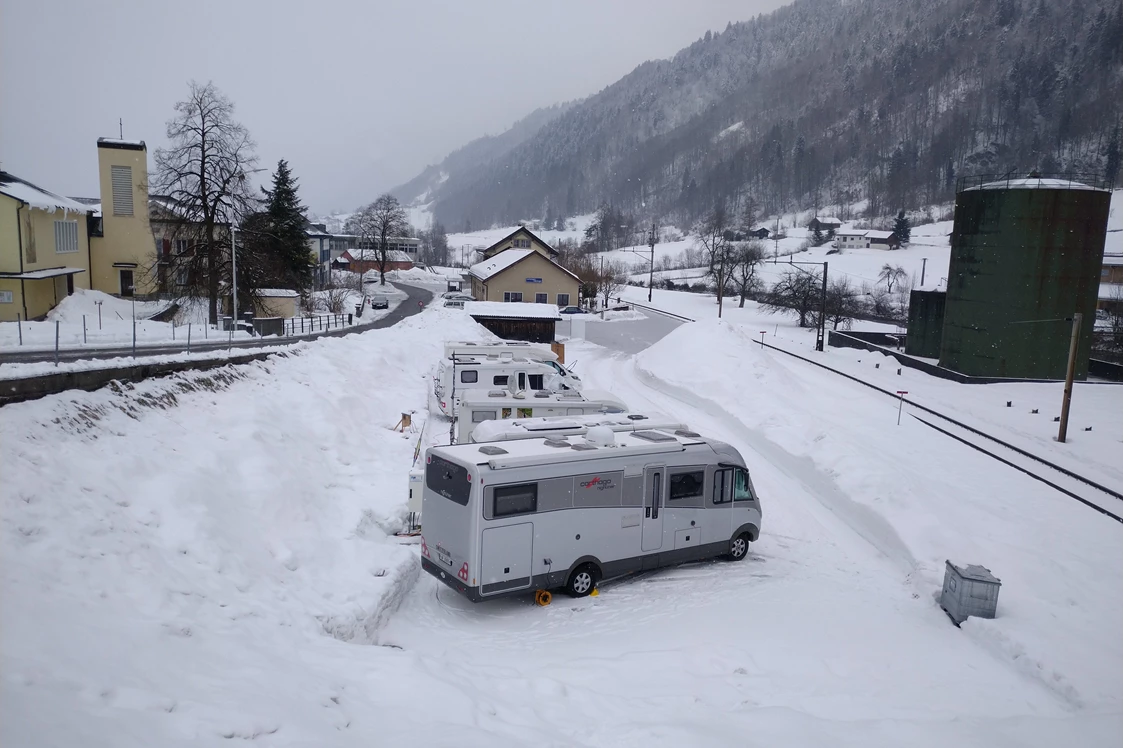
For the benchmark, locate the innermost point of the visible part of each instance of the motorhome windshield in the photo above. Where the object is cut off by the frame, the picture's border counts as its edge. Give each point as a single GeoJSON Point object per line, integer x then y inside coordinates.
{"type": "Point", "coordinates": [448, 479]}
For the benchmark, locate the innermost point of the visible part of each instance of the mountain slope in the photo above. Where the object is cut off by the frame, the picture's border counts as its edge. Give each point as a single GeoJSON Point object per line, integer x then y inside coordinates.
{"type": "Point", "coordinates": [476, 154]}
{"type": "Point", "coordinates": [823, 102]}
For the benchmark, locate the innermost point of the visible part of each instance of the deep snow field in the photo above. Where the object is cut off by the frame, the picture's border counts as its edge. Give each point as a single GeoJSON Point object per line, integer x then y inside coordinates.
{"type": "Point", "coordinates": [209, 557]}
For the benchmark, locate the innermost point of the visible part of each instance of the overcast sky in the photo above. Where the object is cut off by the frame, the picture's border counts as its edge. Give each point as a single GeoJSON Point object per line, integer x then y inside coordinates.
{"type": "Point", "coordinates": [358, 95]}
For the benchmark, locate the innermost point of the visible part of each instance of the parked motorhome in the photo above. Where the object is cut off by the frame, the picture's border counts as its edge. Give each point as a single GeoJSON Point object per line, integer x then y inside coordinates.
{"type": "Point", "coordinates": [548, 426]}
{"type": "Point", "coordinates": [477, 406]}
{"type": "Point", "coordinates": [533, 514]}
{"type": "Point", "coordinates": [519, 348]}
{"type": "Point", "coordinates": [455, 377]}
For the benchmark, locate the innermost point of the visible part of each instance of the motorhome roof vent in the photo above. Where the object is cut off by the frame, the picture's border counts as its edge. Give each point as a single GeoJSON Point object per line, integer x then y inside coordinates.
{"type": "Point", "coordinates": [600, 436]}
{"type": "Point", "coordinates": [687, 433]}
{"type": "Point", "coordinates": [582, 447]}
{"type": "Point", "coordinates": [571, 396]}
{"type": "Point", "coordinates": [487, 449]}
{"type": "Point", "coordinates": [541, 393]}
{"type": "Point", "coordinates": [653, 436]}
{"type": "Point", "coordinates": [506, 355]}
{"type": "Point", "coordinates": [497, 393]}
{"type": "Point", "coordinates": [555, 442]}
{"type": "Point", "coordinates": [636, 417]}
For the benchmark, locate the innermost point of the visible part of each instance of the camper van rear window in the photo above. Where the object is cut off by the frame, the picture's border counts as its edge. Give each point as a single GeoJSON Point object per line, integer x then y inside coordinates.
{"type": "Point", "coordinates": [469, 376]}
{"type": "Point", "coordinates": [518, 499]}
{"type": "Point", "coordinates": [448, 480]}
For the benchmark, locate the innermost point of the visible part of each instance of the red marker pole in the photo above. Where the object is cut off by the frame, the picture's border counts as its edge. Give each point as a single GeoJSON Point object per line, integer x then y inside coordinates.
{"type": "Point", "coordinates": [901, 404]}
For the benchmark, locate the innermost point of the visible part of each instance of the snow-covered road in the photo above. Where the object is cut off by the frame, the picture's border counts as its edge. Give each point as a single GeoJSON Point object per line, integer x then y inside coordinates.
{"type": "Point", "coordinates": [215, 565]}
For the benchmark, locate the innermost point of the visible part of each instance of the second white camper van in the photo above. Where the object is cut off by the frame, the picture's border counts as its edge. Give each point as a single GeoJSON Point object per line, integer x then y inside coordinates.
{"type": "Point", "coordinates": [478, 406]}
{"type": "Point", "coordinates": [463, 374]}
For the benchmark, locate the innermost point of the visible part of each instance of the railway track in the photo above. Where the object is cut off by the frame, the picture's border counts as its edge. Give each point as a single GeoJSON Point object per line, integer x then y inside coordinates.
{"type": "Point", "coordinates": [1077, 487]}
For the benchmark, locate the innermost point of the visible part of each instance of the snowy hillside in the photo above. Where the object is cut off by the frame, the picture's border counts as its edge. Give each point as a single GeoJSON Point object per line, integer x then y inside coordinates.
{"type": "Point", "coordinates": [204, 558]}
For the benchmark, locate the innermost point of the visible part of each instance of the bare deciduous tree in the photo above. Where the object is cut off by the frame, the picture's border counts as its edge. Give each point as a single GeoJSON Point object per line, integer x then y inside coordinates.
{"type": "Point", "coordinates": [200, 180]}
{"type": "Point", "coordinates": [891, 275]}
{"type": "Point", "coordinates": [376, 224]}
{"type": "Point", "coordinates": [747, 257]}
{"type": "Point", "coordinates": [796, 292]}
{"type": "Point", "coordinates": [610, 279]}
{"type": "Point", "coordinates": [712, 233]}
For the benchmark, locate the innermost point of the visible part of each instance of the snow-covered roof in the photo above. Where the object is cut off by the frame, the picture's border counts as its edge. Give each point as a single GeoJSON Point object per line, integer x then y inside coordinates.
{"type": "Point", "coordinates": [828, 219]}
{"type": "Point", "coordinates": [879, 234]}
{"type": "Point", "coordinates": [850, 232]}
{"type": "Point", "coordinates": [93, 204]}
{"type": "Point", "coordinates": [498, 263]}
{"type": "Point", "coordinates": [277, 293]}
{"type": "Point", "coordinates": [120, 143]}
{"type": "Point", "coordinates": [1113, 259]}
{"type": "Point", "coordinates": [514, 310]}
{"type": "Point", "coordinates": [1032, 183]}
{"type": "Point", "coordinates": [1111, 291]}
{"type": "Point", "coordinates": [37, 197]}
{"type": "Point", "coordinates": [373, 255]}
{"type": "Point", "coordinates": [43, 274]}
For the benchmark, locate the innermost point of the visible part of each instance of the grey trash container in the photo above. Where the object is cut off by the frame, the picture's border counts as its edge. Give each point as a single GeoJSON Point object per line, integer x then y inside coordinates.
{"type": "Point", "coordinates": [969, 591]}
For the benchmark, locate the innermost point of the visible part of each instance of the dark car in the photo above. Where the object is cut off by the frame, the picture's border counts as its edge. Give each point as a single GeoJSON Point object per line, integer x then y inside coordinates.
{"type": "Point", "coordinates": [379, 302]}
{"type": "Point", "coordinates": [572, 310]}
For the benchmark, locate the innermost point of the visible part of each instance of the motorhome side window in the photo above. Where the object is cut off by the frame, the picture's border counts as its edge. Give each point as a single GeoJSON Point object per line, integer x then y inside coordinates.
{"type": "Point", "coordinates": [687, 485]}
{"type": "Point", "coordinates": [520, 499]}
{"type": "Point", "coordinates": [449, 480]}
{"type": "Point", "coordinates": [741, 490]}
{"type": "Point", "coordinates": [479, 416]}
{"type": "Point", "coordinates": [723, 485]}
{"type": "Point", "coordinates": [535, 381]}
{"type": "Point", "coordinates": [500, 381]}
{"type": "Point", "coordinates": [469, 376]}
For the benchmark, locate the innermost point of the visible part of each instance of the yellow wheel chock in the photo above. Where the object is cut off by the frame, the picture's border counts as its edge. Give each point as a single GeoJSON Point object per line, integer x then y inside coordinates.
{"type": "Point", "coordinates": [543, 597]}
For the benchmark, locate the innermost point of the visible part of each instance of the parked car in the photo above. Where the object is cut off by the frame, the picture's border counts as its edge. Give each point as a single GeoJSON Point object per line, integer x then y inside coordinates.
{"type": "Point", "coordinates": [454, 295]}
{"type": "Point", "coordinates": [572, 310]}
{"type": "Point", "coordinates": [460, 297]}
{"type": "Point", "coordinates": [379, 302]}
{"type": "Point", "coordinates": [454, 303]}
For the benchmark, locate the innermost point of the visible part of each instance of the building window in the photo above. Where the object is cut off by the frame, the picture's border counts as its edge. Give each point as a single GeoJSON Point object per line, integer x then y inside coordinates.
{"type": "Point", "coordinates": [541, 298]}
{"type": "Point", "coordinates": [181, 246]}
{"type": "Point", "coordinates": [122, 177]}
{"type": "Point", "coordinates": [521, 499]}
{"type": "Point", "coordinates": [563, 299]}
{"type": "Point", "coordinates": [181, 277]}
{"type": "Point", "coordinates": [5, 297]}
{"type": "Point", "coordinates": [66, 237]}
{"type": "Point", "coordinates": [512, 296]}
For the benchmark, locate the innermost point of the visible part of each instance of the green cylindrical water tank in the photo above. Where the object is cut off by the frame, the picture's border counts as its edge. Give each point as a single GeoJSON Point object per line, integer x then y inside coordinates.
{"type": "Point", "coordinates": [1025, 255]}
{"type": "Point", "coordinates": [926, 323]}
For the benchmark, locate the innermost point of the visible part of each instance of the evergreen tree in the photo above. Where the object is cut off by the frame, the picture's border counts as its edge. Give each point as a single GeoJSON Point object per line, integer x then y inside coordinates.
{"type": "Point", "coordinates": [817, 238]}
{"type": "Point", "coordinates": [1111, 167]}
{"type": "Point", "coordinates": [902, 228]}
{"type": "Point", "coordinates": [293, 261]}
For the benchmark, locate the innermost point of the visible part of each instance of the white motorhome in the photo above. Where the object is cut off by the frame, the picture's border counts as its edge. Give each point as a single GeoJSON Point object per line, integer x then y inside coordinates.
{"type": "Point", "coordinates": [533, 514]}
{"type": "Point", "coordinates": [549, 426]}
{"type": "Point", "coordinates": [463, 374]}
{"type": "Point", "coordinates": [532, 351]}
{"type": "Point", "coordinates": [477, 406]}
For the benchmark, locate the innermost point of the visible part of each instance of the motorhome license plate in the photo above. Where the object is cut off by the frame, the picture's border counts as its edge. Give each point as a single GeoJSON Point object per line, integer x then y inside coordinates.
{"type": "Point", "coordinates": [444, 556]}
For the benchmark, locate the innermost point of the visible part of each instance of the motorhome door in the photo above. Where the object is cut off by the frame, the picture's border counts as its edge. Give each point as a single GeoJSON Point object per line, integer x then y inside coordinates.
{"type": "Point", "coordinates": [654, 486]}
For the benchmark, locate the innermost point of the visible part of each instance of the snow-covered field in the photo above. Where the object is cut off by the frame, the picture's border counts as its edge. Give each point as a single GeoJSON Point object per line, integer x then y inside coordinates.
{"type": "Point", "coordinates": [200, 559]}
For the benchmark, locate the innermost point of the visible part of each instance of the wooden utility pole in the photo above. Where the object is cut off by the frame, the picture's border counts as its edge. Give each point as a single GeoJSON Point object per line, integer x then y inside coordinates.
{"type": "Point", "coordinates": [1077, 318]}
{"type": "Point", "coordinates": [651, 273]}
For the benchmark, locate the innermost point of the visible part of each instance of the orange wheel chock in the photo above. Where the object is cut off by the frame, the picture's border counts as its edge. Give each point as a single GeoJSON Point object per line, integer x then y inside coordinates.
{"type": "Point", "coordinates": [543, 597]}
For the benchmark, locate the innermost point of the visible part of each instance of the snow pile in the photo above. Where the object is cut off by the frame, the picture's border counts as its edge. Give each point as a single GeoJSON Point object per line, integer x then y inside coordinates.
{"type": "Point", "coordinates": [195, 559]}
{"type": "Point", "coordinates": [919, 498]}
{"type": "Point", "coordinates": [85, 301]}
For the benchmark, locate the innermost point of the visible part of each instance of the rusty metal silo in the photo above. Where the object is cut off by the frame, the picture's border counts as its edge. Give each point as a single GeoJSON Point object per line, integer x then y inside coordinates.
{"type": "Point", "coordinates": [1025, 255]}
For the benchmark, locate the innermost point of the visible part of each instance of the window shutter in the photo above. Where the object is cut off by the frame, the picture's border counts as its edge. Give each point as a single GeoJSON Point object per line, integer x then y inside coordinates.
{"type": "Point", "coordinates": [66, 237]}
{"type": "Point", "coordinates": [122, 190]}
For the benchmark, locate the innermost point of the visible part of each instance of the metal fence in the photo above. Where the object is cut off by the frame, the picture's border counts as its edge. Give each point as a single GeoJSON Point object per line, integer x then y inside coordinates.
{"type": "Point", "coordinates": [319, 323]}
{"type": "Point", "coordinates": [1067, 180]}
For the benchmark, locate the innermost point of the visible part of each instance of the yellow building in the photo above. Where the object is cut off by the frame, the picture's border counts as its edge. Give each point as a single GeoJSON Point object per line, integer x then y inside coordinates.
{"type": "Point", "coordinates": [123, 257]}
{"type": "Point", "coordinates": [521, 238]}
{"type": "Point", "coordinates": [44, 248]}
{"type": "Point", "coordinates": [524, 275]}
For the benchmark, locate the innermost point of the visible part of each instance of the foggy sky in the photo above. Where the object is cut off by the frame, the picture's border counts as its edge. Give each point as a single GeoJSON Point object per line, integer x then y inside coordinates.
{"type": "Point", "coordinates": [358, 95]}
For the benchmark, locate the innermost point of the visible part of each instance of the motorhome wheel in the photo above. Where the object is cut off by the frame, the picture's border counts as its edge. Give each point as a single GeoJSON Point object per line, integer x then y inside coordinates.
{"type": "Point", "coordinates": [582, 581]}
{"type": "Point", "coordinates": [739, 548]}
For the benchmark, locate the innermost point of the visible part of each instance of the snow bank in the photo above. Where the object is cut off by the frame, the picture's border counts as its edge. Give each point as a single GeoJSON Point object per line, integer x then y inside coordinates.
{"type": "Point", "coordinates": [919, 498]}
{"type": "Point", "coordinates": [85, 301]}
{"type": "Point", "coordinates": [180, 560]}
